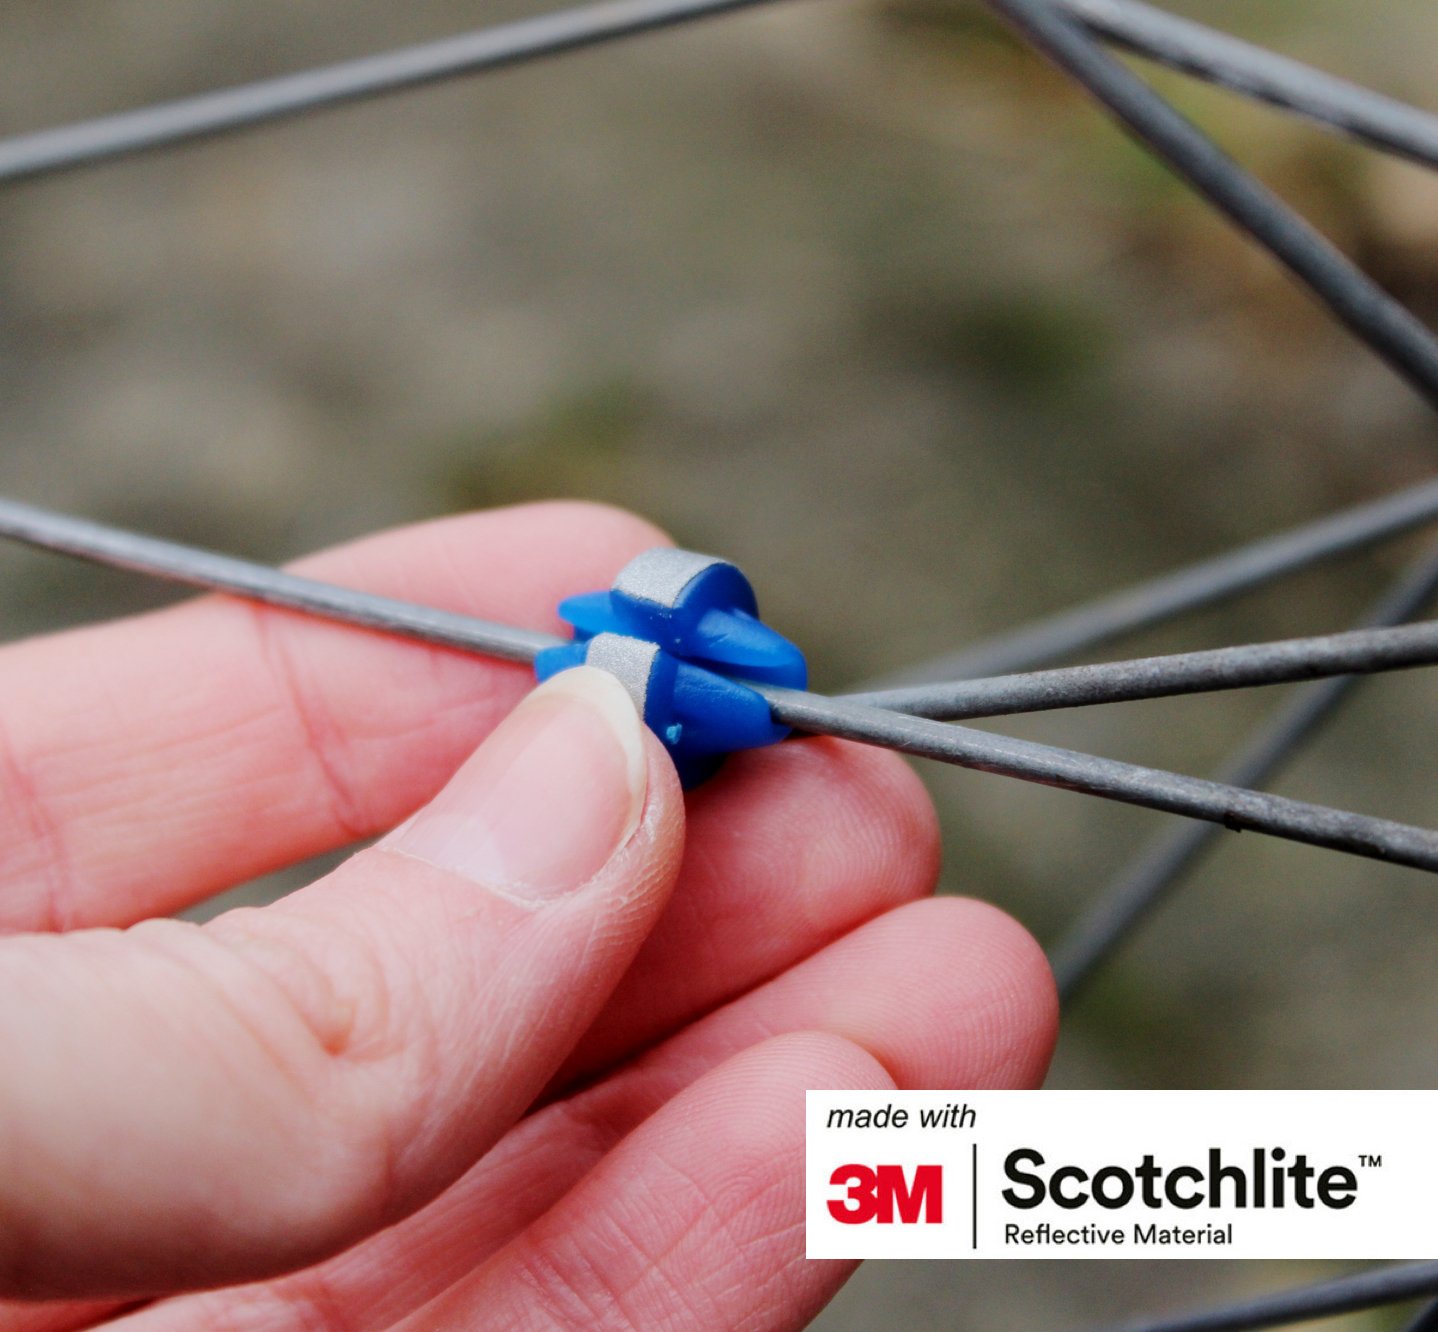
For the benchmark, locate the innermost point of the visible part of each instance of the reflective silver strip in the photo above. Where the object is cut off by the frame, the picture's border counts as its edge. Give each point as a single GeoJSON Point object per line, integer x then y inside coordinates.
{"type": "Point", "coordinates": [628, 660]}
{"type": "Point", "coordinates": [661, 575]}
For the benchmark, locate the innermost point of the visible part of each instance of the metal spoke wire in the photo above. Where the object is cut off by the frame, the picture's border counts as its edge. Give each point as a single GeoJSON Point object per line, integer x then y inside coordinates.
{"type": "Point", "coordinates": [1130, 783]}
{"type": "Point", "coordinates": [48, 152]}
{"type": "Point", "coordinates": [191, 566]}
{"type": "Point", "coordinates": [1284, 661]}
{"type": "Point", "coordinates": [1142, 887]}
{"type": "Point", "coordinates": [1385, 326]}
{"type": "Point", "coordinates": [1194, 587]}
{"type": "Point", "coordinates": [1242, 67]}
{"type": "Point", "coordinates": [1227, 61]}
{"type": "Point", "coordinates": [1370, 313]}
{"type": "Point", "coordinates": [1364, 1290]}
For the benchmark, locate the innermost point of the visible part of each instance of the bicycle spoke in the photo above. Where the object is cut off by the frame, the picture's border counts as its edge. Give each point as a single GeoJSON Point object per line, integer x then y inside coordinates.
{"type": "Point", "coordinates": [1365, 1290]}
{"type": "Point", "coordinates": [1338, 830]}
{"type": "Point", "coordinates": [1360, 651]}
{"type": "Point", "coordinates": [47, 152]}
{"type": "Point", "coordinates": [1228, 61]}
{"type": "Point", "coordinates": [193, 567]}
{"type": "Point", "coordinates": [1242, 67]}
{"type": "Point", "coordinates": [1118, 911]}
{"type": "Point", "coordinates": [1129, 783]}
{"type": "Point", "coordinates": [1372, 315]}
{"type": "Point", "coordinates": [1194, 587]}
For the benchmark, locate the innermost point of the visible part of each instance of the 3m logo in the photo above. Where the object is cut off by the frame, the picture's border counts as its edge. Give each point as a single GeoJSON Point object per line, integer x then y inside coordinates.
{"type": "Point", "coordinates": [885, 1194]}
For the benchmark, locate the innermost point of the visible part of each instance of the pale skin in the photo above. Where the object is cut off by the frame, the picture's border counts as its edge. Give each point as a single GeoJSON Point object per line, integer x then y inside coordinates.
{"type": "Point", "coordinates": [536, 1059]}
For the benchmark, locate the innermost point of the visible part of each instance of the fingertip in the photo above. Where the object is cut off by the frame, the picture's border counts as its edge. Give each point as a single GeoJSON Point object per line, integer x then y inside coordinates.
{"type": "Point", "coordinates": [568, 540]}
{"type": "Point", "coordinates": [903, 820]}
{"type": "Point", "coordinates": [603, 528]}
{"type": "Point", "coordinates": [977, 1008]}
{"type": "Point", "coordinates": [787, 850]}
{"type": "Point", "coordinates": [854, 821]}
{"type": "Point", "coordinates": [1025, 1001]}
{"type": "Point", "coordinates": [882, 791]}
{"type": "Point", "coordinates": [800, 1061]}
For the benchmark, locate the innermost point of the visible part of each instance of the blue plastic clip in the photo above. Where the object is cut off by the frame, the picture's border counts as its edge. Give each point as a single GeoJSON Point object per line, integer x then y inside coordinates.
{"type": "Point", "coordinates": [674, 629]}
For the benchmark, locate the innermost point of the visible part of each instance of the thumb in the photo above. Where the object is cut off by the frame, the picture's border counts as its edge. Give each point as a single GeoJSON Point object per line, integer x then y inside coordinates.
{"type": "Point", "coordinates": [186, 1105]}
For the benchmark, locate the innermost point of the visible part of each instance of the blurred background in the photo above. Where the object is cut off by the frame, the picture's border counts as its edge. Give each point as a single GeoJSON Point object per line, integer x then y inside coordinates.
{"type": "Point", "coordinates": [859, 295]}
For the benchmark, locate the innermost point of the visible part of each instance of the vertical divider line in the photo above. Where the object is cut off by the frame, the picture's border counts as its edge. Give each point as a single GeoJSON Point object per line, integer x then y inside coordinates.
{"type": "Point", "coordinates": [974, 1147]}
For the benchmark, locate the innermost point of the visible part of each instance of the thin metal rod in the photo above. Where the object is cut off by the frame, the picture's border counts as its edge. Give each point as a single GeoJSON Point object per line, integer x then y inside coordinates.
{"type": "Point", "coordinates": [1198, 585]}
{"type": "Point", "coordinates": [1116, 913]}
{"type": "Point", "coordinates": [1173, 793]}
{"type": "Point", "coordinates": [1354, 651]}
{"type": "Point", "coordinates": [1372, 315]}
{"type": "Point", "coordinates": [1222, 59]}
{"type": "Point", "coordinates": [1253, 71]}
{"type": "Point", "coordinates": [1363, 1290]}
{"type": "Point", "coordinates": [1111, 779]}
{"type": "Point", "coordinates": [1368, 311]}
{"type": "Point", "coordinates": [207, 115]}
{"type": "Point", "coordinates": [204, 569]}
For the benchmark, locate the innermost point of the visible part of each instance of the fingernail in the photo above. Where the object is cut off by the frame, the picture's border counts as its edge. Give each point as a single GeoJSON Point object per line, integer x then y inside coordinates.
{"type": "Point", "coordinates": [548, 799]}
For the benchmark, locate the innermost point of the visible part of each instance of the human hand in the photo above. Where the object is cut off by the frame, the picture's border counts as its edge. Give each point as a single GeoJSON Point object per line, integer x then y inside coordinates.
{"type": "Point", "coordinates": [537, 1058]}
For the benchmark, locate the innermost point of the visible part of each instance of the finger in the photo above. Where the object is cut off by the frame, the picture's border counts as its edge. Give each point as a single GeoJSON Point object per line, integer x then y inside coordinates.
{"type": "Point", "coordinates": [151, 762]}
{"type": "Point", "coordinates": [787, 849]}
{"type": "Point", "coordinates": [693, 1222]}
{"type": "Point", "coordinates": [945, 993]}
{"type": "Point", "coordinates": [54, 1315]}
{"type": "Point", "coordinates": [187, 1105]}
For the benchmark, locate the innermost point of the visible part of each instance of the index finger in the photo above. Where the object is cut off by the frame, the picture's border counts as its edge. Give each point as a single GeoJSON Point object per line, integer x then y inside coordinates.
{"type": "Point", "coordinates": [149, 763]}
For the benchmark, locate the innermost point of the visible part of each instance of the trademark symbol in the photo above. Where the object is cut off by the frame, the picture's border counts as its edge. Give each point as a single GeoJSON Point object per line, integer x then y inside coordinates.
{"type": "Point", "coordinates": [1371, 1162]}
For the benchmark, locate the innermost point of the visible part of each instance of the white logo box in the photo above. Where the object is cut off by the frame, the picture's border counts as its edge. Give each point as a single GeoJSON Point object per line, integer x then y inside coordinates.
{"type": "Point", "coordinates": [1122, 1174]}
